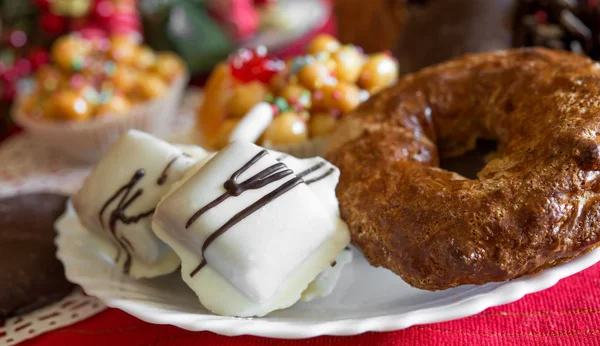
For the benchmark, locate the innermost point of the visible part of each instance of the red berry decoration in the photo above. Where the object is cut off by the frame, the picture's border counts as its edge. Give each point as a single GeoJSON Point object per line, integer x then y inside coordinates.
{"type": "Point", "coordinates": [52, 24]}
{"type": "Point", "coordinates": [249, 65]}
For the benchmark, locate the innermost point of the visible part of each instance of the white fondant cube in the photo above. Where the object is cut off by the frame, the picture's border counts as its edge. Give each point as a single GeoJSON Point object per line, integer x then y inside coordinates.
{"type": "Point", "coordinates": [162, 164]}
{"type": "Point", "coordinates": [261, 250]}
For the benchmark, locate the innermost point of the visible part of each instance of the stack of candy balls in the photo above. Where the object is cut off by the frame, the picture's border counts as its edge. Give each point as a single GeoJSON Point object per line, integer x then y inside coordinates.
{"type": "Point", "coordinates": [104, 77]}
{"type": "Point", "coordinates": [308, 93]}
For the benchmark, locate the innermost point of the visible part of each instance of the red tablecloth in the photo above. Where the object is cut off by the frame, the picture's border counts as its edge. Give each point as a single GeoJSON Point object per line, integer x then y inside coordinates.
{"type": "Point", "coordinates": [566, 314]}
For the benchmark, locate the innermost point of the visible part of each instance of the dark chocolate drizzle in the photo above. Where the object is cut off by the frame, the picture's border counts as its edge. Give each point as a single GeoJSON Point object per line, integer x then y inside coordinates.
{"type": "Point", "coordinates": [320, 177]}
{"type": "Point", "coordinates": [267, 176]}
{"type": "Point", "coordinates": [311, 169]}
{"type": "Point", "coordinates": [287, 186]}
{"type": "Point", "coordinates": [118, 214]}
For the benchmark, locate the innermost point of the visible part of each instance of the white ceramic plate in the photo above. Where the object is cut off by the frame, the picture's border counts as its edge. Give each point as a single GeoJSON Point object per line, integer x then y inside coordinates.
{"type": "Point", "coordinates": [365, 299]}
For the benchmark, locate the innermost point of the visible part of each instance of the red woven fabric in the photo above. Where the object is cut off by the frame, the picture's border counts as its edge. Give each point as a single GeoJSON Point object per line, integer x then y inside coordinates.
{"type": "Point", "coordinates": [566, 314]}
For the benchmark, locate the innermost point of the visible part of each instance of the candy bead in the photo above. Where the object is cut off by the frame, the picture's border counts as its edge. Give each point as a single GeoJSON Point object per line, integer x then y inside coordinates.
{"type": "Point", "coordinates": [287, 127]}
{"type": "Point", "coordinates": [168, 66]}
{"type": "Point", "coordinates": [149, 86]}
{"type": "Point", "coordinates": [244, 97]}
{"type": "Point", "coordinates": [69, 52]}
{"type": "Point", "coordinates": [146, 57]}
{"type": "Point", "coordinates": [315, 76]}
{"type": "Point", "coordinates": [123, 49]}
{"type": "Point", "coordinates": [349, 62]}
{"type": "Point", "coordinates": [344, 97]}
{"type": "Point", "coordinates": [116, 105]}
{"type": "Point", "coordinates": [380, 71]}
{"type": "Point", "coordinates": [321, 124]}
{"type": "Point", "coordinates": [48, 78]}
{"type": "Point", "coordinates": [124, 78]}
{"type": "Point", "coordinates": [67, 105]}
{"type": "Point", "coordinates": [323, 43]}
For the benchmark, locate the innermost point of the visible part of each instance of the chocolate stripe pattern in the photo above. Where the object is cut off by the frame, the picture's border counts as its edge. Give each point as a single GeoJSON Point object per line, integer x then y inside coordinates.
{"type": "Point", "coordinates": [267, 176]}
{"type": "Point", "coordinates": [118, 214]}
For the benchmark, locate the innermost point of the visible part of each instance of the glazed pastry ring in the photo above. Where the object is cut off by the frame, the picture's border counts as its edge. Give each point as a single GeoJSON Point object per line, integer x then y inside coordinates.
{"type": "Point", "coordinates": [536, 204]}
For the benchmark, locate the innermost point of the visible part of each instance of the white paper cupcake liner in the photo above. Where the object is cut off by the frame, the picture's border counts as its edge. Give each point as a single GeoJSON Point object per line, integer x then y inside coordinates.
{"type": "Point", "coordinates": [86, 141]}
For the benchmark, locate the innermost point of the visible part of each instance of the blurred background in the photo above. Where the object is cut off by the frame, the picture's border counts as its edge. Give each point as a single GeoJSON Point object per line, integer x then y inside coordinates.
{"type": "Point", "coordinates": [205, 32]}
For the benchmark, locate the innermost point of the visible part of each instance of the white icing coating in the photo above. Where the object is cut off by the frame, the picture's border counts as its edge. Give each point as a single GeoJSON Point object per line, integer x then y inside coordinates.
{"type": "Point", "coordinates": [293, 229]}
{"type": "Point", "coordinates": [135, 150]}
{"type": "Point", "coordinates": [253, 124]}
{"type": "Point", "coordinates": [325, 282]}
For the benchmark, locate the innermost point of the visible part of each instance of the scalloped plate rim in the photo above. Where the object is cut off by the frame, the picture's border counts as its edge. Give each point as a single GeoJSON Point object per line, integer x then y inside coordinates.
{"type": "Point", "coordinates": [470, 305]}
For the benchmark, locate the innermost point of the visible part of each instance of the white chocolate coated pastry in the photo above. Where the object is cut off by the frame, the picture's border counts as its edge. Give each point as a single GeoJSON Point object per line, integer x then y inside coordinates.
{"type": "Point", "coordinates": [118, 198]}
{"type": "Point", "coordinates": [245, 252]}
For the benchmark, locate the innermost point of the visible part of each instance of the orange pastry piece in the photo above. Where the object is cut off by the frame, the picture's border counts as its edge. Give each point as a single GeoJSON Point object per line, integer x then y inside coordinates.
{"type": "Point", "coordinates": [212, 112]}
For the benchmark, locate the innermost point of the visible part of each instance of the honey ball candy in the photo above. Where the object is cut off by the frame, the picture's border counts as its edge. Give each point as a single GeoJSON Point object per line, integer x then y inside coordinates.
{"type": "Point", "coordinates": [48, 78]}
{"type": "Point", "coordinates": [287, 127]}
{"type": "Point", "coordinates": [294, 92]}
{"type": "Point", "coordinates": [168, 66]}
{"type": "Point", "coordinates": [378, 72]}
{"type": "Point", "coordinates": [67, 105]}
{"type": "Point", "coordinates": [150, 86]}
{"type": "Point", "coordinates": [318, 100]}
{"type": "Point", "coordinates": [145, 57]}
{"type": "Point", "coordinates": [245, 96]}
{"type": "Point", "coordinates": [323, 43]}
{"type": "Point", "coordinates": [116, 105]}
{"type": "Point", "coordinates": [28, 104]}
{"type": "Point", "coordinates": [222, 137]}
{"type": "Point", "coordinates": [123, 49]}
{"type": "Point", "coordinates": [321, 124]}
{"type": "Point", "coordinates": [344, 97]}
{"type": "Point", "coordinates": [348, 63]}
{"type": "Point", "coordinates": [124, 78]}
{"type": "Point", "coordinates": [278, 82]}
{"type": "Point", "coordinates": [315, 76]}
{"type": "Point", "coordinates": [70, 52]}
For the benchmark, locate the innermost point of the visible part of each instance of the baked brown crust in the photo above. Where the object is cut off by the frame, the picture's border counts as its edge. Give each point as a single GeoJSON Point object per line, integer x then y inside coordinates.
{"type": "Point", "coordinates": [536, 204]}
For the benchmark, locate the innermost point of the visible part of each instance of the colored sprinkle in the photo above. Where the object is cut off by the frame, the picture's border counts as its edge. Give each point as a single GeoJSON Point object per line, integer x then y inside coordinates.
{"type": "Point", "coordinates": [281, 104]}
{"type": "Point", "coordinates": [336, 95]}
{"type": "Point", "coordinates": [77, 64]}
{"type": "Point", "coordinates": [336, 113]}
{"type": "Point", "coordinates": [322, 56]}
{"type": "Point", "coordinates": [77, 81]}
{"type": "Point", "coordinates": [275, 109]}
{"type": "Point", "coordinates": [304, 99]}
{"type": "Point", "coordinates": [269, 97]}
{"type": "Point", "coordinates": [301, 61]}
{"type": "Point", "coordinates": [305, 116]}
{"type": "Point", "coordinates": [91, 95]}
{"type": "Point", "coordinates": [109, 68]}
{"type": "Point", "coordinates": [105, 96]}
